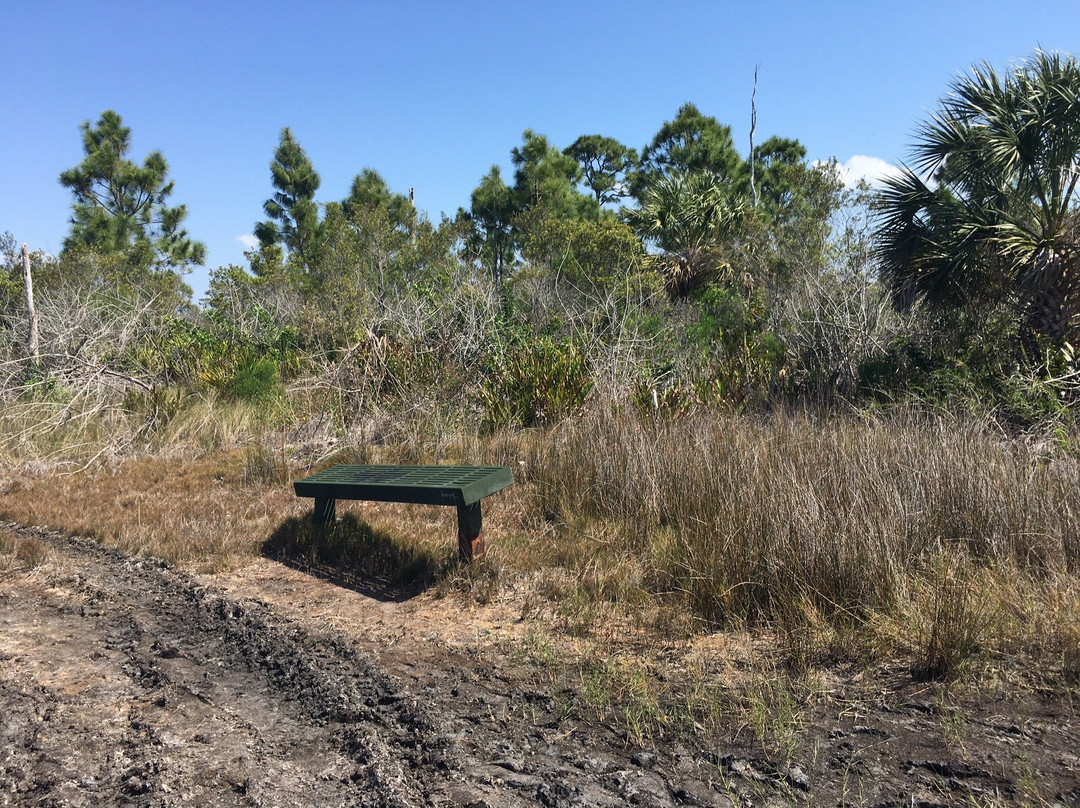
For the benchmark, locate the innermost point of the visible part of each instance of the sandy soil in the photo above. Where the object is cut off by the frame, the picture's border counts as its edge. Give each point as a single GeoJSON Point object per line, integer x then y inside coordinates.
{"type": "Point", "coordinates": [126, 682]}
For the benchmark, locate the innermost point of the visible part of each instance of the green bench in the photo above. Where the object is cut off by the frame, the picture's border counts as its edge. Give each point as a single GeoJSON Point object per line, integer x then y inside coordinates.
{"type": "Point", "coordinates": [460, 486]}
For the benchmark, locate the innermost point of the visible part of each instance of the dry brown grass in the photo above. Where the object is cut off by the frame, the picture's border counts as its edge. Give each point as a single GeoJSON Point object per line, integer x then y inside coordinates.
{"type": "Point", "coordinates": [187, 512]}
{"type": "Point", "coordinates": [213, 512]}
{"type": "Point", "coordinates": [911, 533]}
{"type": "Point", "coordinates": [32, 552]}
{"type": "Point", "coordinates": [940, 540]}
{"type": "Point", "coordinates": [15, 551]}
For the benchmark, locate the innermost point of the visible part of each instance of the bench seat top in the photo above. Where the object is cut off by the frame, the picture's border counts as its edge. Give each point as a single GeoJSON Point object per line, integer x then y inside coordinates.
{"type": "Point", "coordinates": [423, 485]}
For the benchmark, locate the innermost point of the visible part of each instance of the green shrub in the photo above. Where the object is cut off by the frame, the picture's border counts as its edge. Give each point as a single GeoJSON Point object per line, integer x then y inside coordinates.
{"type": "Point", "coordinates": [534, 381]}
{"type": "Point", "coordinates": [255, 380]}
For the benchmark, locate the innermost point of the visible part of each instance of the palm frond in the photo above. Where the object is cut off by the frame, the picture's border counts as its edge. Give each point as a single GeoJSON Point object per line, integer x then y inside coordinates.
{"type": "Point", "coordinates": [1004, 152]}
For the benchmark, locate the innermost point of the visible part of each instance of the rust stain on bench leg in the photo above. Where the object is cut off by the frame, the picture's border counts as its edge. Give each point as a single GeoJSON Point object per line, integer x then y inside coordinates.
{"type": "Point", "coordinates": [470, 532]}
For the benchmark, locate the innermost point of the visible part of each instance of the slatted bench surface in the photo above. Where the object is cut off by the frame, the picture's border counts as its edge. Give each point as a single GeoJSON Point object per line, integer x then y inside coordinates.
{"type": "Point", "coordinates": [424, 485]}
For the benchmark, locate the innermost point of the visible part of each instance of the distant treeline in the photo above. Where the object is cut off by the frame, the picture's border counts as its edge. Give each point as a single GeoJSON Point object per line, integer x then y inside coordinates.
{"type": "Point", "coordinates": [679, 276]}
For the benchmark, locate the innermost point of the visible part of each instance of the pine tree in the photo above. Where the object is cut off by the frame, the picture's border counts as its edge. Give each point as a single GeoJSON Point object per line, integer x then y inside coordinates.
{"type": "Point", "coordinates": [120, 207]}
{"type": "Point", "coordinates": [294, 214]}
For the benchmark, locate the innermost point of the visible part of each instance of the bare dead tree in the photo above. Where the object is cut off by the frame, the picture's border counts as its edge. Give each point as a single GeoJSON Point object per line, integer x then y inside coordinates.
{"type": "Point", "coordinates": [78, 400]}
{"type": "Point", "coordinates": [28, 283]}
{"type": "Point", "coordinates": [753, 130]}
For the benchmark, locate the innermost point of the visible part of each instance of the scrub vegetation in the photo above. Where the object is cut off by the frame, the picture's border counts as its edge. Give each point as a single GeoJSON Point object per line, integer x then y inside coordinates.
{"type": "Point", "coordinates": [736, 395]}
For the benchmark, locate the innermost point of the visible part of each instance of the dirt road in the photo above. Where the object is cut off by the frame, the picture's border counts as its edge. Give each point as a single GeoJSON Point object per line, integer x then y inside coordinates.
{"type": "Point", "coordinates": [126, 682]}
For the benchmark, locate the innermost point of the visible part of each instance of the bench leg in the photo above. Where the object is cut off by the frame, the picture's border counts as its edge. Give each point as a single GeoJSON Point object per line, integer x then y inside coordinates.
{"type": "Point", "coordinates": [325, 510]}
{"type": "Point", "coordinates": [470, 532]}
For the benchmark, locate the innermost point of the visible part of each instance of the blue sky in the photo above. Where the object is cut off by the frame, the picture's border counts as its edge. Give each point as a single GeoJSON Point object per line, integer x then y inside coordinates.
{"type": "Point", "coordinates": [432, 94]}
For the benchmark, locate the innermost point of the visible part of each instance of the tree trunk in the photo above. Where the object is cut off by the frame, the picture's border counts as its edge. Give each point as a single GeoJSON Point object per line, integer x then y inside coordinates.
{"type": "Point", "coordinates": [1054, 298]}
{"type": "Point", "coordinates": [753, 130]}
{"type": "Point", "coordinates": [32, 338]}
{"type": "Point", "coordinates": [412, 219]}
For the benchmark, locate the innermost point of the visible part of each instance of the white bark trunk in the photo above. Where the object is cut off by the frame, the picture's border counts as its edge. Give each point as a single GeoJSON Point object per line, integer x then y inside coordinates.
{"type": "Point", "coordinates": [32, 338]}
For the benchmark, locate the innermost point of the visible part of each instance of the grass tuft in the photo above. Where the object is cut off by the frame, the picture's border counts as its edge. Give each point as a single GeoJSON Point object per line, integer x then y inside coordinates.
{"type": "Point", "coordinates": [959, 616]}
{"type": "Point", "coordinates": [32, 552]}
{"type": "Point", "coordinates": [265, 466]}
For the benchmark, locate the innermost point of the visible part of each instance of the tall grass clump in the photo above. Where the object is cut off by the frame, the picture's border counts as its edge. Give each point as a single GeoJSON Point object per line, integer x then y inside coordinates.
{"type": "Point", "coordinates": [748, 519]}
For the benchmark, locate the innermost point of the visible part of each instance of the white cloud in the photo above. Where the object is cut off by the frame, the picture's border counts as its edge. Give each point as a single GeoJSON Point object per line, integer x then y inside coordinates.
{"type": "Point", "coordinates": [249, 241]}
{"type": "Point", "coordinates": [861, 167]}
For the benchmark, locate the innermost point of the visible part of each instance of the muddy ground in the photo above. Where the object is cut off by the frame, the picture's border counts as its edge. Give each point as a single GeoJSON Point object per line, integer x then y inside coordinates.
{"type": "Point", "coordinates": [126, 682]}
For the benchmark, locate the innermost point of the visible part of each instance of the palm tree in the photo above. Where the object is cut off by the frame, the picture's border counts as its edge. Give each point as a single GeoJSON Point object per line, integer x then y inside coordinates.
{"type": "Point", "coordinates": [992, 212]}
{"type": "Point", "coordinates": [688, 217]}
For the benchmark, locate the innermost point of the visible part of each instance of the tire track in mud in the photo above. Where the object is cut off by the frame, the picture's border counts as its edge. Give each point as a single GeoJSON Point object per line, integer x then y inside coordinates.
{"type": "Point", "coordinates": [170, 692]}
{"type": "Point", "coordinates": [125, 681]}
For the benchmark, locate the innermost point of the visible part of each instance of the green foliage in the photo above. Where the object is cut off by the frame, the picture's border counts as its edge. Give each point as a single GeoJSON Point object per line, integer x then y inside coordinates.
{"type": "Point", "coordinates": [10, 272]}
{"type": "Point", "coordinates": [691, 143]}
{"type": "Point", "coordinates": [545, 186]}
{"type": "Point", "coordinates": [545, 177]}
{"type": "Point", "coordinates": [215, 355]}
{"type": "Point", "coordinates": [606, 165]}
{"type": "Point", "coordinates": [491, 216]}
{"type": "Point", "coordinates": [12, 290]}
{"type": "Point", "coordinates": [375, 276]}
{"type": "Point", "coordinates": [182, 352]}
{"type": "Point", "coordinates": [231, 293]}
{"type": "Point", "coordinates": [689, 217]}
{"type": "Point", "coordinates": [717, 349]}
{"type": "Point", "coordinates": [120, 207]}
{"type": "Point", "coordinates": [89, 271]}
{"type": "Point", "coordinates": [255, 380]}
{"type": "Point", "coordinates": [533, 379]}
{"type": "Point", "coordinates": [778, 166]}
{"type": "Point", "coordinates": [740, 356]}
{"type": "Point", "coordinates": [294, 215]}
{"type": "Point", "coordinates": [967, 360]}
{"type": "Point", "coordinates": [595, 257]}
{"type": "Point", "coordinates": [771, 296]}
{"type": "Point", "coordinates": [994, 215]}
{"type": "Point", "coordinates": [369, 192]}
{"type": "Point", "coordinates": [238, 312]}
